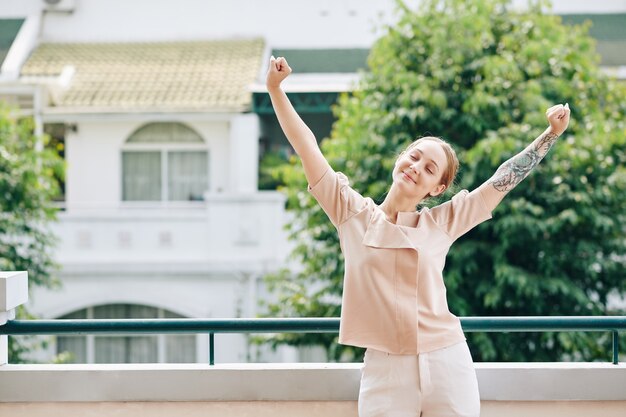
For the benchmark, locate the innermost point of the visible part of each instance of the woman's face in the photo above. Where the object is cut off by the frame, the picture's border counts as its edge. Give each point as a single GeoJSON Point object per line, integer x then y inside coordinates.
{"type": "Point", "coordinates": [418, 171]}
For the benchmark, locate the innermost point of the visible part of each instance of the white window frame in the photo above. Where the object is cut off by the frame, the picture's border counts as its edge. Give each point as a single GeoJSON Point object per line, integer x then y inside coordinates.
{"type": "Point", "coordinates": [164, 149]}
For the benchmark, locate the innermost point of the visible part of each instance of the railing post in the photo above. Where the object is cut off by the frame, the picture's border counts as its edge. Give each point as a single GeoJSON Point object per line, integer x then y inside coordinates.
{"type": "Point", "coordinates": [211, 348]}
{"type": "Point", "coordinates": [13, 293]}
{"type": "Point", "coordinates": [615, 348]}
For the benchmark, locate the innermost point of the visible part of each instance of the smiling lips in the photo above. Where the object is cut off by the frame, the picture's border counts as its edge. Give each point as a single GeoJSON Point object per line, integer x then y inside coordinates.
{"type": "Point", "coordinates": [408, 177]}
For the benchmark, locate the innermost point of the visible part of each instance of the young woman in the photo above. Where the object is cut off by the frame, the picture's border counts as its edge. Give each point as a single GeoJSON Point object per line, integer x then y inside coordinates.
{"type": "Point", "coordinates": [417, 362]}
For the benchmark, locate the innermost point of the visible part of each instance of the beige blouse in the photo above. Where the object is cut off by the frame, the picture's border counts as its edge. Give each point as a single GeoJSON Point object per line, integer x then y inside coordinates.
{"type": "Point", "coordinates": [394, 298]}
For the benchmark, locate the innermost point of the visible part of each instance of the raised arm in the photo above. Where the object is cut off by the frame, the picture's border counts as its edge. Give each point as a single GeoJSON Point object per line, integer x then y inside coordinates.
{"type": "Point", "coordinates": [513, 171]}
{"type": "Point", "coordinates": [297, 132]}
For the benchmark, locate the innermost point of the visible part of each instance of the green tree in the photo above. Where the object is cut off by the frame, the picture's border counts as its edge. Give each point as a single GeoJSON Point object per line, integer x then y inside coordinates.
{"type": "Point", "coordinates": [481, 75]}
{"type": "Point", "coordinates": [28, 183]}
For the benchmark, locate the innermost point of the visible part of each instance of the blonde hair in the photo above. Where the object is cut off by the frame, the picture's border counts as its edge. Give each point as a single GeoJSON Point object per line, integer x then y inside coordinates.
{"type": "Point", "coordinates": [448, 175]}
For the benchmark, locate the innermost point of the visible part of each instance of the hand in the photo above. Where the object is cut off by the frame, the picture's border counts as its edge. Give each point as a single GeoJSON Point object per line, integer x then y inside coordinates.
{"type": "Point", "coordinates": [279, 70]}
{"type": "Point", "coordinates": [558, 116]}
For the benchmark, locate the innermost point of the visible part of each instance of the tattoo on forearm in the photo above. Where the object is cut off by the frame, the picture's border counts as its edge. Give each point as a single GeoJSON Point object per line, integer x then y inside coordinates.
{"type": "Point", "coordinates": [513, 171]}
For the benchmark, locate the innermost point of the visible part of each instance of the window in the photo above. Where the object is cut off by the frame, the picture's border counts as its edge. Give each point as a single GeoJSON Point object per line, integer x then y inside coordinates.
{"type": "Point", "coordinates": [175, 348]}
{"type": "Point", "coordinates": [164, 162]}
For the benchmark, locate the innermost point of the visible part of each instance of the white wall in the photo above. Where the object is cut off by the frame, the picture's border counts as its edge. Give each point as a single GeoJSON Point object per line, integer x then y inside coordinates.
{"type": "Point", "coordinates": [244, 152]}
{"type": "Point", "coordinates": [93, 162]}
{"type": "Point", "coordinates": [93, 154]}
{"type": "Point", "coordinates": [283, 23]}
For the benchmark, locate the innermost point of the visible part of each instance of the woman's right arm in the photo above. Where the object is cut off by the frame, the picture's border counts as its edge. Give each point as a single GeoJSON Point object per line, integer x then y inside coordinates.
{"type": "Point", "coordinates": [297, 132]}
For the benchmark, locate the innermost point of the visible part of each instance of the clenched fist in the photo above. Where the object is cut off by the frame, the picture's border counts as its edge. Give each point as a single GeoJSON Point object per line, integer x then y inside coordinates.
{"type": "Point", "coordinates": [558, 116]}
{"type": "Point", "coordinates": [279, 70]}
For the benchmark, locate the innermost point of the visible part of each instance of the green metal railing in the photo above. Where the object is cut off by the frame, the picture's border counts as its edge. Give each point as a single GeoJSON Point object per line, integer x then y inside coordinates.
{"type": "Point", "coordinates": [612, 324]}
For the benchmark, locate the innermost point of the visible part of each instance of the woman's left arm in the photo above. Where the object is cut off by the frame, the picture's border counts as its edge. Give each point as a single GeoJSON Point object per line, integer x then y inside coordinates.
{"type": "Point", "coordinates": [513, 171]}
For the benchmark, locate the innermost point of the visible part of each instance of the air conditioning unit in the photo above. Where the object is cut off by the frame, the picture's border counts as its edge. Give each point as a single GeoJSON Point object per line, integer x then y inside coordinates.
{"type": "Point", "coordinates": [65, 6]}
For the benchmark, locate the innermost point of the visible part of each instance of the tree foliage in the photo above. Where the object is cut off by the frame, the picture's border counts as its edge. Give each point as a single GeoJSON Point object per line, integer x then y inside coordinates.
{"type": "Point", "coordinates": [481, 75]}
{"type": "Point", "coordinates": [28, 183]}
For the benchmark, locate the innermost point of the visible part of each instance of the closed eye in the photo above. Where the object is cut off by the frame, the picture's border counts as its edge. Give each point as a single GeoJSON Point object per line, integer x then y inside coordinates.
{"type": "Point", "coordinates": [430, 168]}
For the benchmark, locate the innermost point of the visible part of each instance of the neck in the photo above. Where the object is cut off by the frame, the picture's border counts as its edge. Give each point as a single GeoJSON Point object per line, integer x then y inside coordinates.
{"type": "Point", "coordinates": [393, 204]}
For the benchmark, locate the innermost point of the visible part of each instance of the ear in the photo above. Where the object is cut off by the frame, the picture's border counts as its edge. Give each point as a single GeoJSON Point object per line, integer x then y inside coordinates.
{"type": "Point", "coordinates": [438, 190]}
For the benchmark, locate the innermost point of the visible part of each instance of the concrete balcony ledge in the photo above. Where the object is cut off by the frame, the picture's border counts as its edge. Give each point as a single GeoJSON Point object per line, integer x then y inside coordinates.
{"type": "Point", "coordinates": [290, 382]}
{"type": "Point", "coordinates": [511, 389]}
{"type": "Point", "coordinates": [180, 382]}
{"type": "Point", "coordinates": [552, 381]}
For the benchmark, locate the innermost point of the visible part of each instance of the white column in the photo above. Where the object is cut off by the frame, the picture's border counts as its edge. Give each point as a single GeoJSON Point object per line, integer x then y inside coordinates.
{"type": "Point", "coordinates": [244, 153]}
{"type": "Point", "coordinates": [13, 293]}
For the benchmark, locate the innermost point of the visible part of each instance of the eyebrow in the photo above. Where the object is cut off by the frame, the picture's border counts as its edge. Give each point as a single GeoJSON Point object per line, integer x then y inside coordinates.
{"type": "Point", "coordinates": [431, 160]}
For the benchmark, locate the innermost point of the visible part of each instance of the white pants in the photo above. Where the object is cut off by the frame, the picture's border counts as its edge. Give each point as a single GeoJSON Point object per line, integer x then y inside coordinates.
{"type": "Point", "coordinates": [441, 383]}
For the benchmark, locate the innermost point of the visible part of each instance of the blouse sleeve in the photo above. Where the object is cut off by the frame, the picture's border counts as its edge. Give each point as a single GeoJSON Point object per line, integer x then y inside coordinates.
{"type": "Point", "coordinates": [462, 213]}
{"type": "Point", "coordinates": [338, 200]}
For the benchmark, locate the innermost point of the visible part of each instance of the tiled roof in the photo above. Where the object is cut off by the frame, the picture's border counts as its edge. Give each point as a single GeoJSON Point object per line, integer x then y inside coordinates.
{"type": "Point", "coordinates": [176, 76]}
